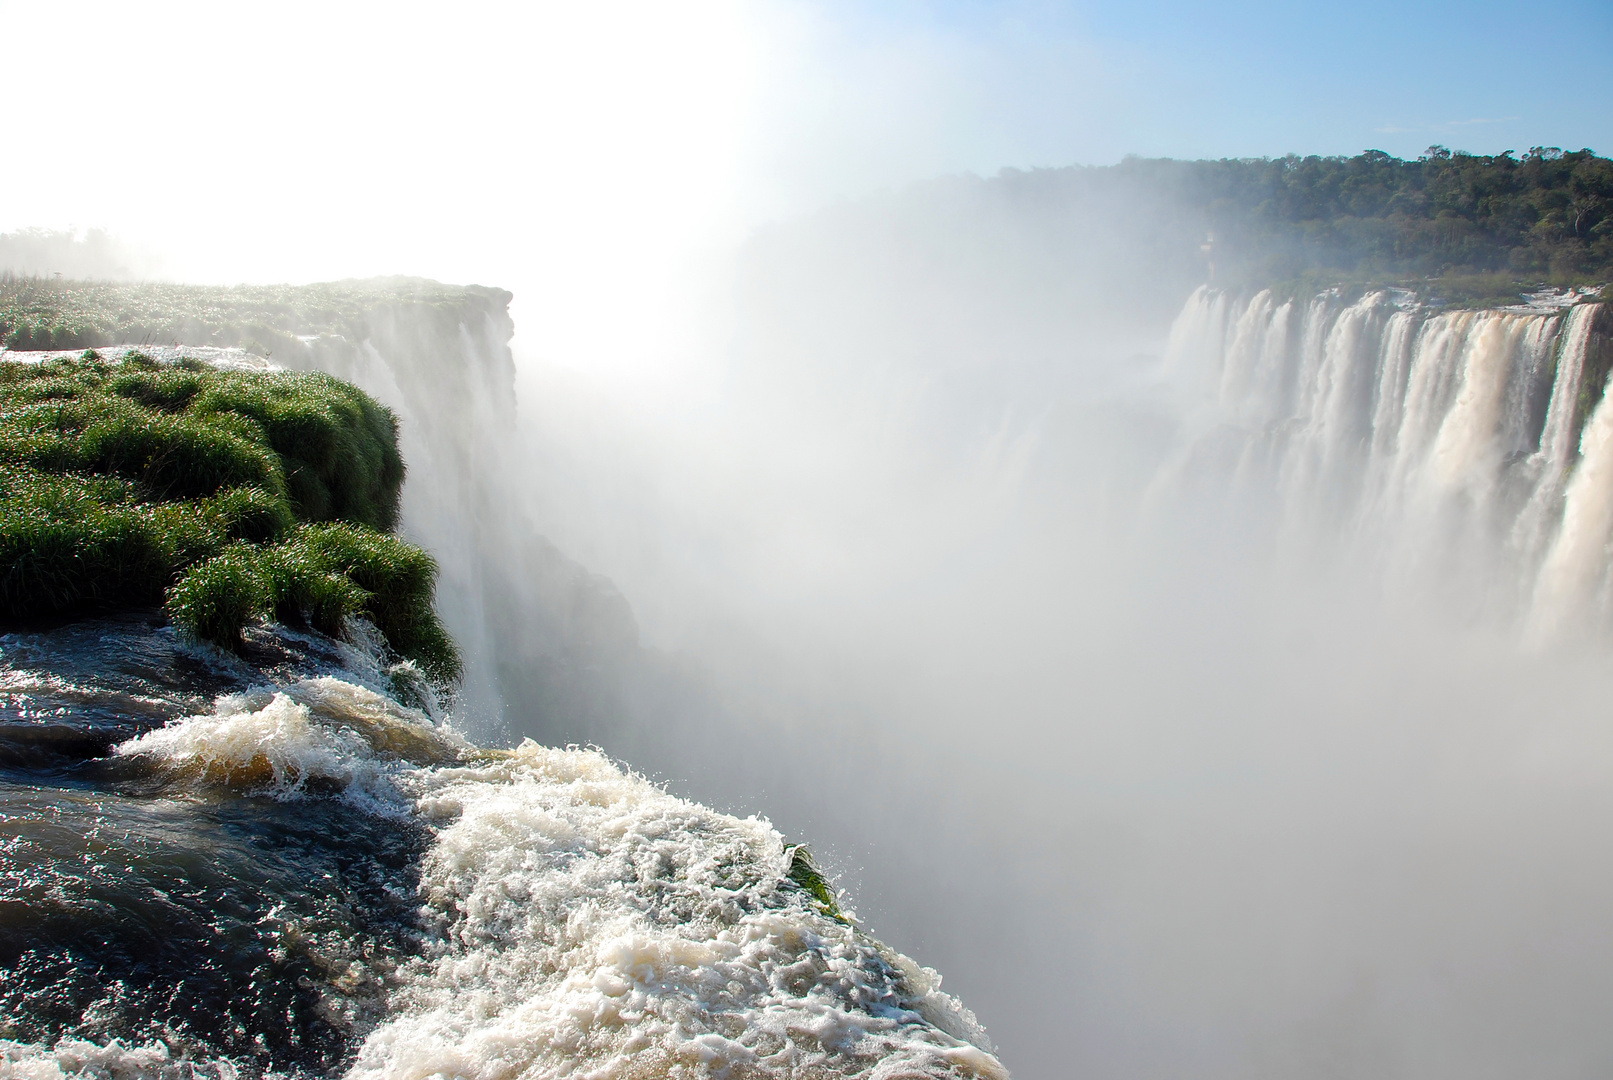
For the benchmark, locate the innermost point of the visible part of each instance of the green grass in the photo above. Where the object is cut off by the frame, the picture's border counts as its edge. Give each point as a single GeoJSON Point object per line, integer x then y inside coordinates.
{"type": "Point", "coordinates": [216, 599]}
{"type": "Point", "coordinates": [69, 542]}
{"type": "Point", "coordinates": [270, 320]}
{"type": "Point", "coordinates": [394, 581]}
{"type": "Point", "coordinates": [230, 496]}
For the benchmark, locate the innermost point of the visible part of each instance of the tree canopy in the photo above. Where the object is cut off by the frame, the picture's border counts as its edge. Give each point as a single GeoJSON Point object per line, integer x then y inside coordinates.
{"type": "Point", "coordinates": [1467, 221]}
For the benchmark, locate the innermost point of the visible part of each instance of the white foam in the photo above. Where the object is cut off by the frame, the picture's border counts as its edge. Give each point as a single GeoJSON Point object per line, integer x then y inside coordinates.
{"type": "Point", "coordinates": [115, 1060]}
{"type": "Point", "coordinates": [583, 922]}
{"type": "Point", "coordinates": [591, 924]}
{"type": "Point", "coordinates": [274, 747]}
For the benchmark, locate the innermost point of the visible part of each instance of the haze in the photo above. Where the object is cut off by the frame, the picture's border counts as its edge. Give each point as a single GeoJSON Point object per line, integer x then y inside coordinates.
{"type": "Point", "coordinates": [882, 459]}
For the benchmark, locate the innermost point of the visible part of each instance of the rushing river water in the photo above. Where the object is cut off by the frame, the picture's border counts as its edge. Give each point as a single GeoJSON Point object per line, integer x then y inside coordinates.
{"type": "Point", "coordinates": [223, 867]}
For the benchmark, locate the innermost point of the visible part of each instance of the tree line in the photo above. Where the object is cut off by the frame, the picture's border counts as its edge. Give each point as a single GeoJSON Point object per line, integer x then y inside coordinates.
{"type": "Point", "coordinates": [1466, 220]}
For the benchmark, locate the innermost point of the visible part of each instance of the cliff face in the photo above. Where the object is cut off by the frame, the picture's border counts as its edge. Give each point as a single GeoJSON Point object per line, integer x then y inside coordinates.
{"type": "Point", "coordinates": [535, 628]}
{"type": "Point", "coordinates": [538, 630]}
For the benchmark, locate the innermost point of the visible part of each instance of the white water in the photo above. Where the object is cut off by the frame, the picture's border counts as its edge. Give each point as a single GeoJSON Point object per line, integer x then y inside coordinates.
{"type": "Point", "coordinates": [1453, 438]}
{"type": "Point", "coordinates": [581, 920]}
{"type": "Point", "coordinates": [114, 1059]}
{"type": "Point", "coordinates": [1223, 840]}
{"type": "Point", "coordinates": [595, 925]}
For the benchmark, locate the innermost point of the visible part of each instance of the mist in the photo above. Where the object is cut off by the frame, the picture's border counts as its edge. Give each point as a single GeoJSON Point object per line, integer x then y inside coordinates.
{"type": "Point", "coordinates": [891, 469]}
{"type": "Point", "coordinates": [1165, 778]}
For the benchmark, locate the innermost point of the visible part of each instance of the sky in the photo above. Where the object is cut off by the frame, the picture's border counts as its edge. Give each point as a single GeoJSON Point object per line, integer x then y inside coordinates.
{"type": "Point", "coordinates": [949, 87]}
{"type": "Point", "coordinates": [583, 154]}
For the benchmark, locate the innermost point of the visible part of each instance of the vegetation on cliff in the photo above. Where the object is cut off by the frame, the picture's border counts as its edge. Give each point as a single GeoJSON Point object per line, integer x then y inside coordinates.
{"type": "Point", "coordinates": [227, 495]}
{"type": "Point", "coordinates": [41, 313]}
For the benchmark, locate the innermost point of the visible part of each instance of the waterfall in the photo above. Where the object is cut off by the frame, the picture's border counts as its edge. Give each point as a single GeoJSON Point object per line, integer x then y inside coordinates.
{"type": "Point", "coordinates": [1452, 438]}
{"type": "Point", "coordinates": [1572, 584]}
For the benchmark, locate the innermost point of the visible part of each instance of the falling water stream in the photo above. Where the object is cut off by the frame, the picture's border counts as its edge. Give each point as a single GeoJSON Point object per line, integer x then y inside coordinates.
{"type": "Point", "coordinates": [1440, 433]}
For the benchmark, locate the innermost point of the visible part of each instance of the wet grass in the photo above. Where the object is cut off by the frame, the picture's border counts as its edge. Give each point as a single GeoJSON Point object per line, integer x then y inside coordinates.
{"type": "Point", "coordinates": [321, 576]}
{"type": "Point", "coordinates": [231, 496]}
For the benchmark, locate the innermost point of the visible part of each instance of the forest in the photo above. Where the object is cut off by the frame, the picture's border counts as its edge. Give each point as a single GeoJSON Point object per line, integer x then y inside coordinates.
{"type": "Point", "coordinates": [1474, 227]}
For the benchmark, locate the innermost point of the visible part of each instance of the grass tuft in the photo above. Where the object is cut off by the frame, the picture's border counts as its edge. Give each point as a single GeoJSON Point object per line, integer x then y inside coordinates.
{"type": "Point", "coordinates": [397, 581]}
{"type": "Point", "coordinates": [804, 874]}
{"type": "Point", "coordinates": [230, 496]}
{"type": "Point", "coordinates": [339, 447]}
{"type": "Point", "coordinates": [321, 576]}
{"type": "Point", "coordinates": [216, 599]}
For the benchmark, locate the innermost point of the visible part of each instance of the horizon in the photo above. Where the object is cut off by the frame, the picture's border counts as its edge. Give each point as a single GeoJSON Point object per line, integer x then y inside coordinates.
{"type": "Point", "coordinates": [298, 157]}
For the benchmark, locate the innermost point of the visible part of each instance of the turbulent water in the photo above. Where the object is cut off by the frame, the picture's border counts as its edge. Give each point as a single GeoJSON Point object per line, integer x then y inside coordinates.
{"type": "Point", "coordinates": [1473, 441]}
{"type": "Point", "coordinates": [265, 865]}
{"type": "Point", "coordinates": [223, 867]}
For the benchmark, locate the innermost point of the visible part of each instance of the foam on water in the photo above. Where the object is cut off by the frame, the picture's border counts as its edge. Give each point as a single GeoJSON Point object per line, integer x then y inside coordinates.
{"type": "Point", "coordinates": [580, 921]}
{"type": "Point", "coordinates": [114, 1060]}
{"type": "Point", "coordinates": [322, 733]}
{"type": "Point", "coordinates": [593, 925]}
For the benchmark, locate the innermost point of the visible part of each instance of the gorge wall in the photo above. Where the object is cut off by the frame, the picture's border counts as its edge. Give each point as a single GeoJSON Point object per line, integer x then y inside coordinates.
{"type": "Point", "coordinates": [535, 627]}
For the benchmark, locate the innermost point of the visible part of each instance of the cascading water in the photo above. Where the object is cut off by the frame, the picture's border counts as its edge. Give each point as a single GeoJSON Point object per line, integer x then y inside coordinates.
{"type": "Point", "coordinates": [306, 878]}
{"type": "Point", "coordinates": [1450, 436]}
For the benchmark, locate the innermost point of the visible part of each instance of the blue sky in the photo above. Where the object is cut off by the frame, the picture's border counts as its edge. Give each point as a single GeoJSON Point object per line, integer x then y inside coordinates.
{"type": "Point", "coordinates": [315, 139]}
{"type": "Point", "coordinates": [1049, 83]}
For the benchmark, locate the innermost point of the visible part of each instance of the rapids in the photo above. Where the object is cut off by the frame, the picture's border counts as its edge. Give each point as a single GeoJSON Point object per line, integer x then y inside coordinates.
{"type": "Point", "coordinates": [221, 867]}
{"type": "Point", "coordinates": [234, 867]}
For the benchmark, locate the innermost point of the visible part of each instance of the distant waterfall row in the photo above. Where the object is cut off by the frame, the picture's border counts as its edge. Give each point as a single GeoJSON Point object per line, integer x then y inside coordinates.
{"type": "Point", "coordinates": [1451, 436]}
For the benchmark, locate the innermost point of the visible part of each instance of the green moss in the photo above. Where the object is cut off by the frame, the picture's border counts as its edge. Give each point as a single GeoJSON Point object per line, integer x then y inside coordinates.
{"type": "Point", "coordinates": [803, 872]}
{"type": "Point", "coordinates": [229, 496]}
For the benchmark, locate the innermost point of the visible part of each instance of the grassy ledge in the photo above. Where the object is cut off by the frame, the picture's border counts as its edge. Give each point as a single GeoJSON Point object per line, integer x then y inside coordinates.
{"type": "Point", "coordinates": [267, 320]}
{"type": "Point", "coordinates": [227, 496]}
